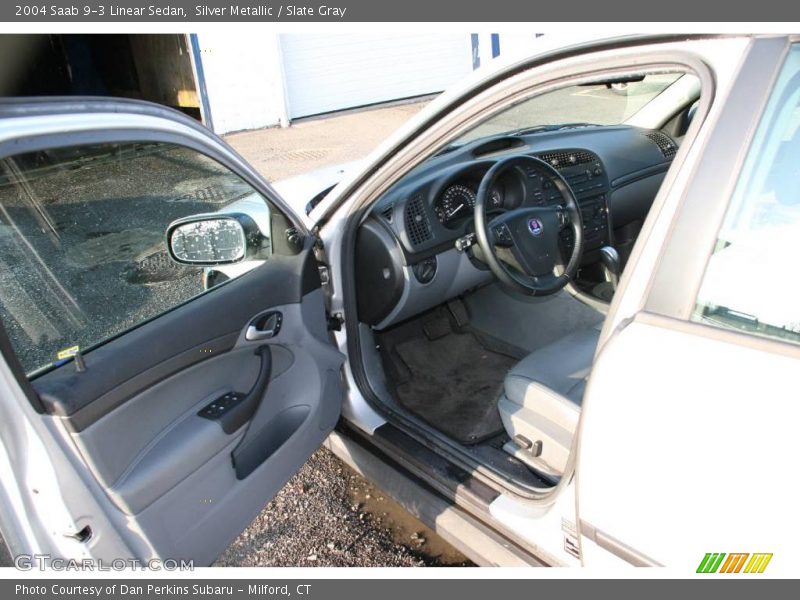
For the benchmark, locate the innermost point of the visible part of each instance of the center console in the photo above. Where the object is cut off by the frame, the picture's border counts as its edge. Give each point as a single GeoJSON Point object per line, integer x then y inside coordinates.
{"type": "Point", "coordinates": [587, 178]}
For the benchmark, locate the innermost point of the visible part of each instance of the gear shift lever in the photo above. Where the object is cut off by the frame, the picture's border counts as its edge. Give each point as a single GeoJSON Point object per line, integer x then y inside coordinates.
{"type": "Point", "coordinates": [610, 259]}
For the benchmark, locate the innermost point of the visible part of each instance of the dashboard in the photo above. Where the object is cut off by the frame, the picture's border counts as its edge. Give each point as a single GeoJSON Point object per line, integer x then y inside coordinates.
{"type": "Point", "coordinates": [406, 257]}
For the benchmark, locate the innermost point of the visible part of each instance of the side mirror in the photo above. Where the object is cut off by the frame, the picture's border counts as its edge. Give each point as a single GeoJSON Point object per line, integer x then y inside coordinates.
{"type": "Point", "coordinates": [216, 239]}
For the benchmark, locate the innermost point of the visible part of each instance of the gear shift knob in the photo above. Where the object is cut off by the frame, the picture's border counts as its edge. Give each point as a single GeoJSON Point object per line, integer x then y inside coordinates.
{"type": "Point", "coordinates": [610, 259]}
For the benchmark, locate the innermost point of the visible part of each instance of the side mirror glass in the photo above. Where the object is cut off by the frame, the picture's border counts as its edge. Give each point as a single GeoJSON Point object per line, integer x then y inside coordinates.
{"type": "Point", "coordinates": [214, 239]}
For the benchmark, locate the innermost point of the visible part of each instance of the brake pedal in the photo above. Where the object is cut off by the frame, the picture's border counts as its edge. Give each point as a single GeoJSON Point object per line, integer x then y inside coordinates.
{"type": "Point", "coordinates": [459, 312]}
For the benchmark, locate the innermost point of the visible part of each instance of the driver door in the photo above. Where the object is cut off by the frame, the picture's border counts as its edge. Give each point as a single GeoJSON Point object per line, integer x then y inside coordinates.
{"type": "Point", "coordinates": [150, 406]}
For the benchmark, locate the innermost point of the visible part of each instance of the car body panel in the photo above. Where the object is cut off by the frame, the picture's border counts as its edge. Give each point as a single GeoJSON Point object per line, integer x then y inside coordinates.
{"type": "Point", "coordinates": [164, 488]}
{"type": "Point", "coordinates": [300, 190]}
{"type": "Point", "coordinates": [550, 520]}
{"type": "Point", "coordinates": [700, 465]}
{"type": "Point", "coordinates": [705, 410]}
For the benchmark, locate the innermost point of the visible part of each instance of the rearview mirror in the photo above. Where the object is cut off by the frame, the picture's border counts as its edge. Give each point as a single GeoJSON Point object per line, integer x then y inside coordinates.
{"type": "Point", "coordinates": [215, 239]}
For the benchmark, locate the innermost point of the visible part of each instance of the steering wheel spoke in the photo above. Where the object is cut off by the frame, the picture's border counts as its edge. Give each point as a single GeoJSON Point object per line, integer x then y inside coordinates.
{"type": "Point", "coordinates": [564, 218]}
{"type": "Point", "coordinates": [500, 233]}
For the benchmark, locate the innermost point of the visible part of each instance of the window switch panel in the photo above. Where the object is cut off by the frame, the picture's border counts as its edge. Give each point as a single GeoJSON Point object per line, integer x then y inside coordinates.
{"type": "Point", "coordinates": [221, 405]}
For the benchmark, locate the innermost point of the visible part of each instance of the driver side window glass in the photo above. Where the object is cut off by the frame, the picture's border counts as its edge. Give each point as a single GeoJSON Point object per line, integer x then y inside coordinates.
{"type": "Point", "coordinates": [83, 254]}
{"type": "Point", "coordinates": [750, 282]}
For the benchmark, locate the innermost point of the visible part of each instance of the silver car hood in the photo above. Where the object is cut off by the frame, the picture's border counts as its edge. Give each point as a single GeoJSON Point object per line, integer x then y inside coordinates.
{"type": "Point", "coordinates": [300, 190]}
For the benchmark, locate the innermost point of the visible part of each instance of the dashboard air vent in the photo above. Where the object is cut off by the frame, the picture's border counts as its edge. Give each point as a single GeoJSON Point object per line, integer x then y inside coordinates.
{"type": "Point", "coordinates": [665, 144]}
{"type": "Point", "coordinates": [417, 225]}
{"type": "Point", "coordinates": [567, 158]}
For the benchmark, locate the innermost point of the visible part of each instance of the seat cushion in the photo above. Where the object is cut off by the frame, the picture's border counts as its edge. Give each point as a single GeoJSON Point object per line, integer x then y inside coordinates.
{"type": "Point", "coordinates": [541, 404]}
{"type": "Point", "coordinates": [562, 367]}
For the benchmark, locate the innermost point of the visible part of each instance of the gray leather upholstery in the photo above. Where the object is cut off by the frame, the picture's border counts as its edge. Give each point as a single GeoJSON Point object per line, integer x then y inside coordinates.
{"type": "Point", "coordinates": [541, 404]}
{"type": "Point", "coordinates": [562, 366]}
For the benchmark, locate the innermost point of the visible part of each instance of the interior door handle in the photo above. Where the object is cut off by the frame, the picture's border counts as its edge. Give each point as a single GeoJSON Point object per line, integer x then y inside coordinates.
{"type": "Point", "coordinates": [264, 326]}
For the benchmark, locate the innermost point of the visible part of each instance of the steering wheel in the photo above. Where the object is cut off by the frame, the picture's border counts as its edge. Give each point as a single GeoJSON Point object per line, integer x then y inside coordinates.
{"type": "Point", "coordinates": [521, 246]}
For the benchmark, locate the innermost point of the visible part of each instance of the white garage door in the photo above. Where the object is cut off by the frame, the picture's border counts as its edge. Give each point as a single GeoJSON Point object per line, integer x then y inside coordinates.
{"type": "Point", "coordinates": [338, 71]}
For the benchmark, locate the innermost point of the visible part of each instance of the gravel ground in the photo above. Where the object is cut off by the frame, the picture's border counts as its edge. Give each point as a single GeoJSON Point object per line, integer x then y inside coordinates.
{"type": "Point", "coordinates": [327, 515]}
{"type": "Point", "coordinates": [5, 556]}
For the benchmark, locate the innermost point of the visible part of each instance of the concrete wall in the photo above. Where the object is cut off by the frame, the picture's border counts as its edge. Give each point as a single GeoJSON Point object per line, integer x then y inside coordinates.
{"type": "Point", "coordinates": [328, 72]}
{"type": "Point", "coordinates": [246, 87]}
{"type": "Point", "coordinates": [244, 80]}
{"type": "Point", "coordinates": [517, 44]}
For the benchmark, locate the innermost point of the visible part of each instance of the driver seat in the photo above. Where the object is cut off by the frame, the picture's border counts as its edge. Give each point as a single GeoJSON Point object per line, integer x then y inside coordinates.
{"type": "Point", "coordinates": [542, 398]}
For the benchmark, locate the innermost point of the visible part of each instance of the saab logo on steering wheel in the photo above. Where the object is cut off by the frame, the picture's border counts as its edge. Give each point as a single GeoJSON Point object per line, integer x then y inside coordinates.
{"type": "Point", "coordinates": [535, 226]}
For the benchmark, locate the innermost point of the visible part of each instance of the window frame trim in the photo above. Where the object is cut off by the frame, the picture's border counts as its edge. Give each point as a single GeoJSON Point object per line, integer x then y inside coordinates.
{"type": "Point", "coordinates": [681, 268]}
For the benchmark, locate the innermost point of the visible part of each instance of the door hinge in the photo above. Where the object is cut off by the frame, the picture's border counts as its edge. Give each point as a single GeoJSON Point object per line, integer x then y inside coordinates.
{"type": "Point", "coordinates": [335, 322]}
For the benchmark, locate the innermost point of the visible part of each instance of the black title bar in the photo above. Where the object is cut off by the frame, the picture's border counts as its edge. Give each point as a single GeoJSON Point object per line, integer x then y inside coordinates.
{"type": "Point", "coordinates": [461, 11]}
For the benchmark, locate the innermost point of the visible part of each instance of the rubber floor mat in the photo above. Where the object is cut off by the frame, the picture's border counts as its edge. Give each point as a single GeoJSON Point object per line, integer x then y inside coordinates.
{"type": "Point", "coordinates": [453, 383]}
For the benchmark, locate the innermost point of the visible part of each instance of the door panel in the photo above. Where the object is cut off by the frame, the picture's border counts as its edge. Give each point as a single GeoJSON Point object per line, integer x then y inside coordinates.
{"type": "Point", "coordinates": [169, 431]}
{"type": "Point", "coordinates": [684, 443]}
{"type": "Point", "coordinates": [175, 474]}
{"type": "Point", "coordinates": [170, 469]}
{"type": "Point", "coordinates": [183, 337]}
{"type": "Point", "coordinates": [185, 425]}
{"type": "Point", "coordinates": [688, 425]}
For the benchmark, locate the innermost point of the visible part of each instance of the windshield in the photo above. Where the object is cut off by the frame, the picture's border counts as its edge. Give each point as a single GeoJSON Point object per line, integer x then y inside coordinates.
{"type": "Point", "coordinates": [576, 105]}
